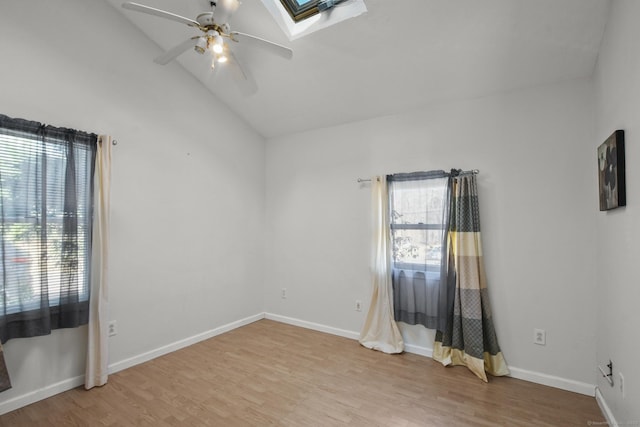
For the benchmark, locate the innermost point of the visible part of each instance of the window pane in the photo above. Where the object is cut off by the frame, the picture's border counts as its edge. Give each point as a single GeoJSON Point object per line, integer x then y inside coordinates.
{"type": "Point", "coordinates": [417, 218]}
{"type": "Point", "coordinates": [422, 247]}
{"type": "Point", "coordinates": [418, 202]}
{"type": "Point", "coordinates": [39, 259]}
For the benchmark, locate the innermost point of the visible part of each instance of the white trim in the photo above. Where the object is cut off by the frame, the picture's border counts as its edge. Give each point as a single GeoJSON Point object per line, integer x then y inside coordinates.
{"type": "Point", "coordinates": [416, 349]}
{"type": "Point", "coordinates": [606, 411]}
{"type": "Point", "coordinates": [522, 374]}
{"type": "Point", "coordinates": [310, 325]}
{"type": "Point", "coordinates": [41, 394]}
{"type": "Point", "coordinates": [66, 385]}
{"type": "Point", "coordinates": [62, 386]}
{"type": "Point", "coordinates": [553, 381]}
{"type": "Point", "coordinates": [409, 348]}
{"type": "Point", "coordinates": [170, 348]}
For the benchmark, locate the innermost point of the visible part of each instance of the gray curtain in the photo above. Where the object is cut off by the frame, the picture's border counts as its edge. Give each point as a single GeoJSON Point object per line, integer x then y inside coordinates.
{"type": "Point", "coordinates": [5, 382]}
{"type": "Point", "coordinates": [469, 338]}
{"type": "Point", "coordinates": [419, 206]}
{"type": "Point", "coordinates": [46, 211]}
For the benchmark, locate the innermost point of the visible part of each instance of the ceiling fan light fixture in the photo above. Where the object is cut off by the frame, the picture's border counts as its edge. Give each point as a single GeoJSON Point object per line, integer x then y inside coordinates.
{"type": "Point", "coordinates": [216, 42]}
{"type": "Point", "coordinates": [231, 5]}
{"type": "Point", "coordinates": [214, 30]}
{"type": "Point", "coordinates": [201, 45]}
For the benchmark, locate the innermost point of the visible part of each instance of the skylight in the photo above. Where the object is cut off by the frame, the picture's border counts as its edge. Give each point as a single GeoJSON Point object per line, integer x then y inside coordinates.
{"type": "Point", "coordinates": [301, 9]}
{"type": "Point", "coordinates": [298, 18]}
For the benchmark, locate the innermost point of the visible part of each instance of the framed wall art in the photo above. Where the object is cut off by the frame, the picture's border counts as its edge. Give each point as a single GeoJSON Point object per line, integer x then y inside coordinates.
{"type": "Point", "coordinates": [611, 172]}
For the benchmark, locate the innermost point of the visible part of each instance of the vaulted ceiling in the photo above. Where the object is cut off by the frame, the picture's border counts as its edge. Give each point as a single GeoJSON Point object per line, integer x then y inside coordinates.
{"type": "Point", "coordinates": [400, 55]}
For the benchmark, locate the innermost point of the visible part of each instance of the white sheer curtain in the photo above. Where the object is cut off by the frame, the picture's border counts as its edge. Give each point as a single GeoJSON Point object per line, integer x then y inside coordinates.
{"type": "Point", "coordinates": [380, 331]}
{"type": "Point", "coordinates": [97, 349]}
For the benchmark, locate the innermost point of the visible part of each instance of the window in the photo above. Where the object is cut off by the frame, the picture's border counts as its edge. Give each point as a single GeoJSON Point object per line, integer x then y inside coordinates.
{"type": "Point", "coordinates": [418, 209]}
{"type": "Point", "coordinates": [296, 22]}
{"type": "Point", "coordinates": [46, 210]}
{"type": "Point", "coordinates": [301, 9]}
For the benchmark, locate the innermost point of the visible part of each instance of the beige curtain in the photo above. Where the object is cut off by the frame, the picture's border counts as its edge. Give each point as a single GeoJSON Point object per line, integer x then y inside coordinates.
{"type": "Point", "coordinates": [380, 331]}
{"type": "Point", "coordinates": [98, 349]}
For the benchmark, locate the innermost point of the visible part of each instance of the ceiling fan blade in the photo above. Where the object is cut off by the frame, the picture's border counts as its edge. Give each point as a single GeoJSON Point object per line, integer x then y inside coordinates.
{"type": "Point", "coordinates": [272, 47]}
{"type": "Point", "coordinates": [161, 13]}
{"type": "Point", "coordinates": [224, 9]}
{"type": "Point", "coordinates": [174, 52]}
{"type": "Point", "coordinates": [241, 75]}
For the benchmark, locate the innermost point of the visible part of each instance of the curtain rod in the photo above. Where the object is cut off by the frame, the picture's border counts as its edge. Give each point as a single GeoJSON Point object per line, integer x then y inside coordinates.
{"type": "Point", "coordinates": [473, 171]}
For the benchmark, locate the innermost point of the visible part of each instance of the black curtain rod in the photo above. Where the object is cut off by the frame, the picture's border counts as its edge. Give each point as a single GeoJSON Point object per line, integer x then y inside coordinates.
{"type": "Point", "coordinates": [473, 171]}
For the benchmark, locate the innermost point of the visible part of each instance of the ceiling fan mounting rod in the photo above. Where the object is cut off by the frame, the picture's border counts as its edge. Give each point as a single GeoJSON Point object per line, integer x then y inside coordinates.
{"type": "Point", "coordinates": [206, 23]}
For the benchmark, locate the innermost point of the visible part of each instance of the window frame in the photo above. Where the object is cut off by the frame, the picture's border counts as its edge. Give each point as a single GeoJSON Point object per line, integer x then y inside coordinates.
{"type": "Point", "coordinates": [393, 226]}
{"type": "Point", "coordinates": [301, 12]}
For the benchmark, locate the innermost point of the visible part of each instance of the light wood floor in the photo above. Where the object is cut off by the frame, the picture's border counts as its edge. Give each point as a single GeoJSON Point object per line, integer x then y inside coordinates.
{"type": "Point", "coordinates": [268, 373]}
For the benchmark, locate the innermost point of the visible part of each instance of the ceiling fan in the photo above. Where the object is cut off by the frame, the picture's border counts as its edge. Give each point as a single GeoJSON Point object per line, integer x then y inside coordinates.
{"type": "Point", "coordinates": [215, 38]}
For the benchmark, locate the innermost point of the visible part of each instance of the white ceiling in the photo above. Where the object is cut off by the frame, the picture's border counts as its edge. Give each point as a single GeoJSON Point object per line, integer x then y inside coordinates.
{"type": "Point", "coordinates": [400, 55]}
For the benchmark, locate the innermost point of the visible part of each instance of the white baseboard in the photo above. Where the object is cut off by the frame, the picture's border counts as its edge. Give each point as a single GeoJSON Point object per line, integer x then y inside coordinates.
{"type": "Point", "coordinates": [314, 326]}
{"type": "Point", "coordinates": [51, 390]}
{"type": "Point", "coordinates": [523, 374]}
{"type": "Point", "coordinates": [553, 381]}
{"type": "Point", "coordinates": [170, 348]}
{"type": "Point", "coordinates": [416, 349]}
{"type": "Point", "coordinates": [37, 395]}
{"type": "Point", "coordinates": [534, 377]}
{"type": "Point", "coordinates": [606, 411]}
{"type": "Point", "coordinates": [62, 386]}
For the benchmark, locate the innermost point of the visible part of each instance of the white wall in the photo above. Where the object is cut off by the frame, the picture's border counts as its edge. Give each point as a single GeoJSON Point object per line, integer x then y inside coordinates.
{"type": "Point", "coordinates": [188, 199]}
{"type": "Point", "coordinates": [187, 194]}
{"type": "Point", "coordinates": [538, 203]}
{"type": "Point", "coordinates": [617, 82]}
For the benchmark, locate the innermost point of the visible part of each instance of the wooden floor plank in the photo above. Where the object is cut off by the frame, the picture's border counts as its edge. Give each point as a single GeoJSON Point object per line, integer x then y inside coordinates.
{"type": "Point", "coordinates": [268, 373]}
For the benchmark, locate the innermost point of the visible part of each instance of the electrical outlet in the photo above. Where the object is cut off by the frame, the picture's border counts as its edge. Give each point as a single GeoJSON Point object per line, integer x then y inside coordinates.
{"type": "Point", "coordinates": [539, 336]}
{"type": "Point", "coordinates": [358, 305]}
{"type": "Point", "coordinates": [113, 328]}
{"type": "Point", "coordinates": [621, 377]}
{"type": "Point", "coordinates": [284, 293]}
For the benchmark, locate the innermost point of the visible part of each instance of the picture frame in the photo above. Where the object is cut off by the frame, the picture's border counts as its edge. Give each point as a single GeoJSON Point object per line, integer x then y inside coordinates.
{"type": "Point", "coordinates": [611, 172]}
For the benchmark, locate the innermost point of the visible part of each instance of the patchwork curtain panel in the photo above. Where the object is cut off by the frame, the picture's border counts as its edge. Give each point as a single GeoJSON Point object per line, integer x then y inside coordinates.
{"type": "Point", "coordinates": [469, 338]}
